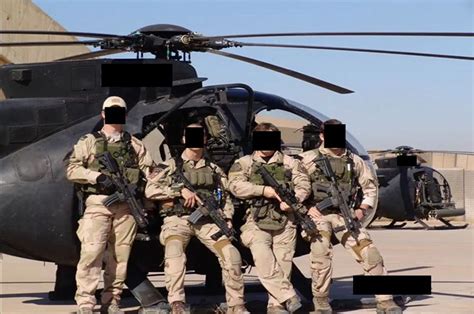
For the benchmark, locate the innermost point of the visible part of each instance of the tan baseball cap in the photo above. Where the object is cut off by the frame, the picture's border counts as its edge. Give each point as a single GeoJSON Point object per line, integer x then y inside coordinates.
{"type": "Point", "coordinates": [114, 101]}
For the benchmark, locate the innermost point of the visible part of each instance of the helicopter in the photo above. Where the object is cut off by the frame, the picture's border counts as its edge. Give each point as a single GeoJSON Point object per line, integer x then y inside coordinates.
{"type": "Point", "coordinates": [424, 192]}
{"type": "Point", "coordinates": [48, 106]}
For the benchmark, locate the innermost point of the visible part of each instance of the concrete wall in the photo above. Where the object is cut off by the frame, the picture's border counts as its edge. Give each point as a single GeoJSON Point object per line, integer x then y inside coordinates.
{"type": "Point", "coordinates": [25, 15]}
{"type": "Point", "coordinates": [469, 194]}
{"type": "Point", "coordinates": [455, 177]}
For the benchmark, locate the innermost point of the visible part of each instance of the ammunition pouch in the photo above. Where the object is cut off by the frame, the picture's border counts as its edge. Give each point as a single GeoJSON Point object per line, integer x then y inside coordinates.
{"type": "Point", "coordinates": [81, 200]}
{"type": "Point", "coordinates": [126, 157]}
{"type": "Point", "coordinates": [219, 136]}
{"type": "Point", "coordinates": [320, 190]}
{"type": "Point", "coordinates": [175, 208]}
{"type": "Point", "coordinates": [267, 214]}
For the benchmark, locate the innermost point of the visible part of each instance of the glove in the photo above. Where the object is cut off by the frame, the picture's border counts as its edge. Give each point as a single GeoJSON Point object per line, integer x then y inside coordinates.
{"type": "Point", "coordinates": [105, 183]}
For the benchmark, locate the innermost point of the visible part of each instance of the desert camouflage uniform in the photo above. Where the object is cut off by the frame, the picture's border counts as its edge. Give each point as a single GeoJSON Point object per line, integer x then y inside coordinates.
{"type": "Point", "coordinates": [272, 251]}
{"type": "Point", "coordinates": [365, 253]}
{"type": "Point", "coordinates": [176, 232]}
{"type": "Point", "coordinates": [102, 226]}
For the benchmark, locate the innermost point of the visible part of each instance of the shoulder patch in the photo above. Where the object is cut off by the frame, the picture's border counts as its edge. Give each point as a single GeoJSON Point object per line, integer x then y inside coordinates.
{"type": "Point", "coordinates": [236, 167]}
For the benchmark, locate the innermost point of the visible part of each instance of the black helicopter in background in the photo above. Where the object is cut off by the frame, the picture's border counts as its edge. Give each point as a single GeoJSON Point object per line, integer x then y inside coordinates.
{"type": "Point", "coordinates": [48, 106]}
{"type": "Point", "coordinates": [423, 192]}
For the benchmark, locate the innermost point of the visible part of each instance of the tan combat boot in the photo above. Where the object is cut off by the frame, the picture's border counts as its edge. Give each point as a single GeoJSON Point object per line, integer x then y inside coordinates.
{"type": "Point", "coordinates": [293, 304]}
{"type": "Point", "coordinates": [179, 307]}
{"type": "Point", "coordinates": [388, 307]}
{"type": "Point", "coordinates": [237, 309]}
{"type": "Point", "coordinates": [277, 310]}
{"type": "Point", "coordinates": [85, 310]}
{"type": "Point", "coordinates": [321, 305]}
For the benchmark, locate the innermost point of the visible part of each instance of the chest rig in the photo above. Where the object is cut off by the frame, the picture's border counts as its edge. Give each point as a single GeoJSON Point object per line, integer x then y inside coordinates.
{"type": "Point", "coordinates": [125, 155]}
{"type": "Point", "coordinates": [265, 212]}
{"type": "Point", "coordinates": [343, 168]}
{"type": "Point", "coordinates": [204, 180]}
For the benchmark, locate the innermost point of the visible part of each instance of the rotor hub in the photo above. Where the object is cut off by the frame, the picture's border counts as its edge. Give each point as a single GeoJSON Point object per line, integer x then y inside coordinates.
{"type": "Point", "coordinates": [163, 30]}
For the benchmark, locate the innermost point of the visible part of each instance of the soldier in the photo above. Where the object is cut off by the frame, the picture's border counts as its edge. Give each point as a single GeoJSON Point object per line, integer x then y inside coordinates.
{"type": "Point", "coordinates": [177, 203]}
{"type": "Point", "coordinates": [100, 224]}
{"type": "Point", "coordinates": [351, 171]}
{"type": "Point", "coordinates": [270, 231]}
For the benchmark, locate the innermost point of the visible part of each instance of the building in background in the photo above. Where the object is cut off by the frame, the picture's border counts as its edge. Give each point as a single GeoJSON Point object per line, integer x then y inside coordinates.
{"type": "Point", "coordinates": [25, 15]}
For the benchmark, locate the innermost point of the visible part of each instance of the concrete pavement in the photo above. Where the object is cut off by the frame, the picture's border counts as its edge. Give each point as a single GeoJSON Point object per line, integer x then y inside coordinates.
{"type": "Point", "coordinates": [446, 255]}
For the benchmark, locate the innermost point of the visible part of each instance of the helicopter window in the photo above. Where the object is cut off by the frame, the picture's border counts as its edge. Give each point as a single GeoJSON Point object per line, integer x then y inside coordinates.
{"type": "Point", "coordinates": [221, 146]}
{"type": "Point", "coordinates": [354, 144]}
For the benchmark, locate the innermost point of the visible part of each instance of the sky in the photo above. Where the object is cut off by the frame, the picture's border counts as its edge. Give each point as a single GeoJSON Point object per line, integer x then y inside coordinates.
{"type": "Point", "coordinates": [426, 103]}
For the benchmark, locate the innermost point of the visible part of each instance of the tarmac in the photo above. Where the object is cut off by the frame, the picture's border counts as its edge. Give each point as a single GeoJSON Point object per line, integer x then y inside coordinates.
{"type": "Point", "coordinates": [445, 255]}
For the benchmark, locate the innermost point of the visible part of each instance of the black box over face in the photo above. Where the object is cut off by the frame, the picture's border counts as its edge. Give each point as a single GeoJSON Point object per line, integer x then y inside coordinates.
{"type": "Point", "coordinates": [194, 137]}
{"type": "Point", "coordinates": [406, 161]}
{"type": "Point", "coordinates": [266, 140]}
{"type": "Point", "coordinates": [115, 115]}
{"type": "Point", "coordinates": [335, 136]}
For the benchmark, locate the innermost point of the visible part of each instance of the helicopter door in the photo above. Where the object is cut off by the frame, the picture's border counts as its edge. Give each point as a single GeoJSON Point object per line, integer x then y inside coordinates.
{"type": "Point", "coordinates": [155, 144]}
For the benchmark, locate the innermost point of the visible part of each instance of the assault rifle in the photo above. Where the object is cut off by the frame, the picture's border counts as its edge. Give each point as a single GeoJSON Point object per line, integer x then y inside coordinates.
{"type": "Point", "coordinates": [206, 207]}
{"type": "Point", "coordinates": [299, 210]}
{"type": "Point", "coordinates": [126, 192]}
{"type": "Point", "coordinates": [339, 197]}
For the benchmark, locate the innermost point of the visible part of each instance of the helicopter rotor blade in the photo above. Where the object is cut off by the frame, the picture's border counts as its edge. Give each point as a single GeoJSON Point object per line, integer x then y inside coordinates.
{"type": "Point", "coordinates": [404, 34]}
{"type": "Point", "coordinates": [406, 53]}
{"type": "Point", "coordinates": [298, 75]}
{"type": "Point", "coordinates": [93, 54]}
{"type": "Point", "coordinates": [50, 43]}
{"type": "Point", "coordinates": [59, 33]}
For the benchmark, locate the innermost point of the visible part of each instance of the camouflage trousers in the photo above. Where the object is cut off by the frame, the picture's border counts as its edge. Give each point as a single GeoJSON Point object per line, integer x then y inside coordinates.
{"type": "Point", "coordinates": [176, 232]}
{"type": "Point", "coordinates": [272, 253]}
{"type": "Point", "coordinates": [365, 253]}
{"type": "Point", "coordinates": [106, 234]}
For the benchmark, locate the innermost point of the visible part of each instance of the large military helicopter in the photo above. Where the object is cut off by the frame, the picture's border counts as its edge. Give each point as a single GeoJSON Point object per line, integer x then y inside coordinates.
{"type": "Point", "coordinates": [49, 105]}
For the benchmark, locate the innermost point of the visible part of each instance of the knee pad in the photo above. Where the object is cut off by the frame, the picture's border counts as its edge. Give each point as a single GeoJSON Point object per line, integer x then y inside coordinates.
{"type": "Point", "coordinates": [361, 246]}
{"type": "Point", "coordinates": [372, 259]}
{"type": "Point", "coordinates": [373, 256]}
{"type": "Point", "coordinates": [234, 256]}
{"type": "Point", "coordinates": [175, 260]}
{"type": "Point", "coordinates": [173, 248]}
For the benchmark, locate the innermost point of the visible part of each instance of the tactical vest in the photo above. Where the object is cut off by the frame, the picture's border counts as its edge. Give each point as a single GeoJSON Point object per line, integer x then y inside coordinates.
{"type": "Point", "coordinates": [204, 180]}
{"type": "Point", "coordinates": [267, 213]}
{"type": "Point", "coordinates": [125, 155]}
{"type": "Point", "coordinates": [343, 168]}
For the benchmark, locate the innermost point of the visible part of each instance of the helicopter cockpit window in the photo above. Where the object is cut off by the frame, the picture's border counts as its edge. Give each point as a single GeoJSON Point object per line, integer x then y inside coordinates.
{"type": "Point", "coordinates": [165, 141]}
{"type": "Point", "coordinates": [354, 143]}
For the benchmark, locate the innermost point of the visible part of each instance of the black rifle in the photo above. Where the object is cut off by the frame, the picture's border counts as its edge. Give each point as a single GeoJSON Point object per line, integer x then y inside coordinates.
{"type": "Point", "coordinates": [287, 196]}
{"type": "Point", "coordinates": [209, 208]}
{"type": "Point", "coordinates": [126, 192]}
{"type": "Point", "coordinates": [340, 197]}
